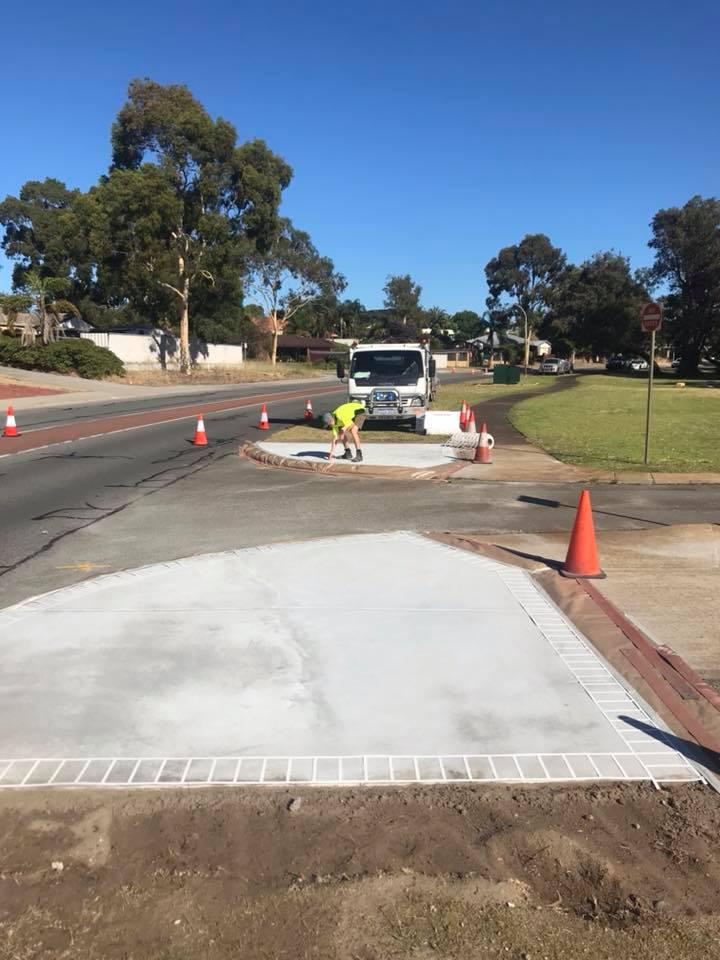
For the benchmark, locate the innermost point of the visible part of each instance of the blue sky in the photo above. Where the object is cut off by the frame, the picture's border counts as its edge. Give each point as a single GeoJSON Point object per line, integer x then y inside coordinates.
{"type": "Point", "coordinates": [423, 136]}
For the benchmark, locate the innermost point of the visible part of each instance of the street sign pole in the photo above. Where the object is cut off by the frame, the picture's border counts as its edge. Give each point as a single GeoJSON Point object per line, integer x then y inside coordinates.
{"type": "Point", "coordinates": [649, 395]}
{"type": "Point", "coordinates": [650, 321]}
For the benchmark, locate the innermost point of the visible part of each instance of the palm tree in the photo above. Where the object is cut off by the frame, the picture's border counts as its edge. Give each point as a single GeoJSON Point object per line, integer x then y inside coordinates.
{"type": "Point", "coordinates": [44, 292]}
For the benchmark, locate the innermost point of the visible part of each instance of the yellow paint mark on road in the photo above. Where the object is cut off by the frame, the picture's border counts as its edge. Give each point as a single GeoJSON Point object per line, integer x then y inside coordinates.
{"type": "Point", "coordinates": [85, 567]}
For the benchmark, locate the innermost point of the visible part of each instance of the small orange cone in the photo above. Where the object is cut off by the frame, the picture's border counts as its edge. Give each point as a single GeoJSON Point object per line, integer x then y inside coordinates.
{"type": "Point", "coordinates": [308, 410]}
{"type": "Point", "coordinates": [471, 428]}
{"type": "Point", "coordinates": [10, 425]}
{"type": "Point", "coordinates": [264, 422]}
{"type": "Point", "coordinates": [581, 561]}
{"type": "Point", "coordinates": [200, 435]}
{"type": "Point", "coordinates": [485, 445]}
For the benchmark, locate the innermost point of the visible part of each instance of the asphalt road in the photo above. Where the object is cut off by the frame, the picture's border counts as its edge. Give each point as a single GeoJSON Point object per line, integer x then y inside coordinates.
{"type": "Point", "coordinates": [118, 501]}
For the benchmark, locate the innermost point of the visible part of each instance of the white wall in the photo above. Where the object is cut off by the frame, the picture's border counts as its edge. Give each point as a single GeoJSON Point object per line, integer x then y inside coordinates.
{"type": "Point", "coordinates": [140, 351]}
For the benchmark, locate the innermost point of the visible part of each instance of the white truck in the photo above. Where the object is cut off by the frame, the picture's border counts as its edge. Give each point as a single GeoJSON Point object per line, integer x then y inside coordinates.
{"type": "Point", "coordinates": [394, 381]}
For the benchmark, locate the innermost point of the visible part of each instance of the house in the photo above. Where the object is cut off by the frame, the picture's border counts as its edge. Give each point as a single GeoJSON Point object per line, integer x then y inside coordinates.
{"type": "Point", "coordinates": [292, 347]}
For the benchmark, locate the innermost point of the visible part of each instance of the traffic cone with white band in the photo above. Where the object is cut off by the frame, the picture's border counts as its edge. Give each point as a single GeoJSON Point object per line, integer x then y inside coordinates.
{"type": "Point", "coordinates": [471, 428]}
{"type": "Point", "coordinates": [463, 415]}
{"type": "Point", "coordinates": [308, 410]}
{"type": "Point", "coordinates": [264, 422]}
{"type": "Point", "coordinates": [485, 445]}
{"type": "Point", "coordinates": [200, 435]}
{"type": "Point", "coordinates": [10, 425]}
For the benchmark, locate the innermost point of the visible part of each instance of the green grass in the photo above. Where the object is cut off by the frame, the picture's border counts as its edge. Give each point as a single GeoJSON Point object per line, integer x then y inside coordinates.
{"type": "Point", "coordinates": [601, 423]}
{"type": "Point", "coordinates": [449, 397]}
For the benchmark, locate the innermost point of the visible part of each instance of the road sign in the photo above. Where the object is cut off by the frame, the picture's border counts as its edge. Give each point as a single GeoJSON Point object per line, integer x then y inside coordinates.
{"type": "Point", "coordinates": [651, 317]}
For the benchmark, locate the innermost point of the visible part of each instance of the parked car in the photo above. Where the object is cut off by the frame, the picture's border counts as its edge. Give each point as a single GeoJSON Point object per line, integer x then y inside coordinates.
{"type": "Point", "coordinates": [616, 362]}
{"type": "Point", "coordinates": [555, 365]}
{"type": "Point", "coordinates": [637, 365]}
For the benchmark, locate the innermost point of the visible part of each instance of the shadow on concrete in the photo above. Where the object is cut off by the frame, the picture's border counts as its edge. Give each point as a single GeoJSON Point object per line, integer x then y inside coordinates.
{"type": "Point", "coordinates": [687, 748]}
{"type": "Point", "coordinates": [554, 504]}
{"type": "Point", "coordinates": [556, 565]}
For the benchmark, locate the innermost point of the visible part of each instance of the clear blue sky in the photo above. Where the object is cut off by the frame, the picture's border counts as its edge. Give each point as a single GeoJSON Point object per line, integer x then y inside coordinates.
{"type": "Point", "coordinates": [424, 136]}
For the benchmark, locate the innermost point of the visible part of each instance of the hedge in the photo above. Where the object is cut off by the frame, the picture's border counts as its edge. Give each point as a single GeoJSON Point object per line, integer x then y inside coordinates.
{"type": "Point", "coordinates": [71, 355]}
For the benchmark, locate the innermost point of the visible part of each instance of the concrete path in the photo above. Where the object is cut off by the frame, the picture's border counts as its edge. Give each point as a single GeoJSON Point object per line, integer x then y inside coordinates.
{"type": "Point", "coordinates": [374, 454]}
{"type": "Point", "coordinates": [377, 658]}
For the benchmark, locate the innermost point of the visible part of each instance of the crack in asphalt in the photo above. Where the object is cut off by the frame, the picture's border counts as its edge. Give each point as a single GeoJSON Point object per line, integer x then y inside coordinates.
{"type": "Point", "coordinates": [208, 458]}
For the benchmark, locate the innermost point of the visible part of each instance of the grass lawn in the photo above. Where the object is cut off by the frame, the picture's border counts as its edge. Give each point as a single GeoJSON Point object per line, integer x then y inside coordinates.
{"type": "Point", "coordinates": [449, 397]}
{"type": "Point", "coordinates": [601, 423]}
{"type": "Point", "coordinates": [253, 371]}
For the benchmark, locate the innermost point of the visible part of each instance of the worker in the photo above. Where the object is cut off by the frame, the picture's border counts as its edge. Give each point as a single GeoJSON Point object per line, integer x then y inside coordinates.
{"type": "Point", "coordinates": [346, 422]}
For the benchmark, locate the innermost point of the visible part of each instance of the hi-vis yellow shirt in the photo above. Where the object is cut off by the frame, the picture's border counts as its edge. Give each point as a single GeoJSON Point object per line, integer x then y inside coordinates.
{"type": "Point", "coordinates": [344, 415]}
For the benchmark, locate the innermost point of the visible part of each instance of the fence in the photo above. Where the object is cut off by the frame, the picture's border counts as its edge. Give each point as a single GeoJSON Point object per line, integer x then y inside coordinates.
{"type": "Point", "coordinates": [159, 349]}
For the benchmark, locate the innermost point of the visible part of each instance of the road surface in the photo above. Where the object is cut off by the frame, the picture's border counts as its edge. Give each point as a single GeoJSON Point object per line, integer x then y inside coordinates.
{"type": "Point", "coordinates": [74, 510]}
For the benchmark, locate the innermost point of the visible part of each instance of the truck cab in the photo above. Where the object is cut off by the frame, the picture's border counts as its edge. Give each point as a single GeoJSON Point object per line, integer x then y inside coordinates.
{"type": "Point", "coordinates": [393, 381]}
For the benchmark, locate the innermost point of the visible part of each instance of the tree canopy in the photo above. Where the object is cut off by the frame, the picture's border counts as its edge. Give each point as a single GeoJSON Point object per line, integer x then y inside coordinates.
{"type": "Point", "coordinates": [686, 241]}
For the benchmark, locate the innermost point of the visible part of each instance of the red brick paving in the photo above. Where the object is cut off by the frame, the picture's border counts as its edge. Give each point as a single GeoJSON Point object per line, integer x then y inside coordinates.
{"type": "Point", "coordinates": [12, 391]}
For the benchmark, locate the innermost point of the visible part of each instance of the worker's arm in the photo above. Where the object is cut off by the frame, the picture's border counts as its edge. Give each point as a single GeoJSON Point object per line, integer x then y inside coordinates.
{"type": "Point", "coordinates": [333, 443]}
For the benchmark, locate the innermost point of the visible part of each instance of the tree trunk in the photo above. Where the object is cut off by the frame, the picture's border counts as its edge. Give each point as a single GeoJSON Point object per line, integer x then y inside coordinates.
{"type": "Point", "coordinates": [275, 334]}
{"type": "Point", "coordinates": [44, 321]}
{"type": "Point", "coordinates": [526, 353]}
{"type": "Point", "coordinates": [185, 326]}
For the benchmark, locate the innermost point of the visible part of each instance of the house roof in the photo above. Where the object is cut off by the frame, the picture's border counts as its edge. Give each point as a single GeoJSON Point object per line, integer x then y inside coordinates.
{"type": "Point", "coordinates": [292, 342]}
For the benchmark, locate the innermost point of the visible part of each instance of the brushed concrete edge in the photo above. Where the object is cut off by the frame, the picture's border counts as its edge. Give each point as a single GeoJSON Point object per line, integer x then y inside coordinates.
{"type": "Point", "coordinates": [251, 451]}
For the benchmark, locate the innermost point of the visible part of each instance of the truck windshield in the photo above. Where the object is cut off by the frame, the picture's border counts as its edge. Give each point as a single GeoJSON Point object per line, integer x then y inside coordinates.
{"type": "Point", "coordinates": [393, 367]}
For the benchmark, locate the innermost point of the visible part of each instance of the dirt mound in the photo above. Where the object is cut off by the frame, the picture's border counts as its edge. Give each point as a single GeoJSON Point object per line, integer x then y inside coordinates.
{"type": "Point", "coordinates": [370, 873]}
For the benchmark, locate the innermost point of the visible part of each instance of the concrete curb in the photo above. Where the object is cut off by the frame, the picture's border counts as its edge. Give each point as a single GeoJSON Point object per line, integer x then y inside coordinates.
{"type": "Point", "coordinates": [255, 453]}
{"type": "Point", "coordinates": [252, 451]}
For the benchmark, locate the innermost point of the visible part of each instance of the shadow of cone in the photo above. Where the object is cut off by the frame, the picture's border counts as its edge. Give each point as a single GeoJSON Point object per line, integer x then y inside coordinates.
{"type": "Point", "coordinates": [581, 562]}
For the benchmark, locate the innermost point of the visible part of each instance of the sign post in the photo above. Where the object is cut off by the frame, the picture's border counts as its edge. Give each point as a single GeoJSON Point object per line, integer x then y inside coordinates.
{"type": "Point", "coordinates": [650, 321]}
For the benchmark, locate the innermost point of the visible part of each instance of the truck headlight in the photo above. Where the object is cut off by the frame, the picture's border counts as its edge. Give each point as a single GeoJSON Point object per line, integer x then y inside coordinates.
{"type": "Point", "coordinates": [417, 402]}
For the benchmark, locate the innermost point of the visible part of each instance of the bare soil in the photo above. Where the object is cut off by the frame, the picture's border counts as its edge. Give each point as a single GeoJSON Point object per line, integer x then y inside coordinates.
{"type": "Point", "coordinates": [423, 872]}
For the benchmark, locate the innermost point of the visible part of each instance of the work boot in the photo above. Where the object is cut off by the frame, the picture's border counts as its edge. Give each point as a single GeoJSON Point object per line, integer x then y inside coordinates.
{"type": "Point", "coordinates": [347, 455]}
{"type": "Point", "coordinates": [358, 457]}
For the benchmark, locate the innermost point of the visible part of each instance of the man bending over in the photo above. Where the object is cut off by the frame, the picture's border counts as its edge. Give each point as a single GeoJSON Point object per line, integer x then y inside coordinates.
{"type": "Point", "coordinates": [346, 422]}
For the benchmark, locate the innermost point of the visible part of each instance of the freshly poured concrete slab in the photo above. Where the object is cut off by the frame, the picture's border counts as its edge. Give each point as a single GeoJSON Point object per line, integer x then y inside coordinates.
{"type": "Point", "coordinates": [374, 454]}
{"type": "Point", "coordinates": [382, 657]}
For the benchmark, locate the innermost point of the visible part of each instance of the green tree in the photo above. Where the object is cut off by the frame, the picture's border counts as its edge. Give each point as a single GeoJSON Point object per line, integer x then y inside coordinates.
{"type": "Point", "coordinates": [44, 233]}
{"type": "Point", "coordinates": [402, 297]}
{"type": "Point", "coordinates": [288, 275]}
{"type": "Point", "coordinates": [49, 307]}
{"type": "Point", "coordinates": [686, 241]}
{"type": "Point", "coordinates": [182, 205]}
{"type": "Point", "coordinates": [12, 304]}
{"type": "Point", "coordinates": [526, 272]}
{"type": "Point", "coordinates": [466, 324]}
{"type": "Point", "coordinates": [595, 306]}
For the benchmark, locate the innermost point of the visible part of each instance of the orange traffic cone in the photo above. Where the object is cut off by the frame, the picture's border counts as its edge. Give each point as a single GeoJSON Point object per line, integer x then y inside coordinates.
{"type": "Point", "coordinates": [485, 445]}
{"type": "Point", "coordinates": [463, 415]}
{"type": "Point", "coordinates": [471, 428]}
{"type": "Point", "coordinates": [581, 561]}
{"type": "Point", "coordinates": [200, 435]}
{"type": "Point", "coordinates": [308, 410]}
{"type": "Point", "coordinates": [10, 425]}
{"type": "Point", "coordinates": [264, 422]}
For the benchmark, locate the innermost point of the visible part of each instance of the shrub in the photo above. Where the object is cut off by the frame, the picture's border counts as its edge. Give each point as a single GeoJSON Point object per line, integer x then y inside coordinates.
{"type": "Point", "coordinates": [65, 356]}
